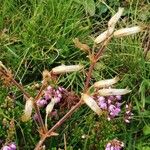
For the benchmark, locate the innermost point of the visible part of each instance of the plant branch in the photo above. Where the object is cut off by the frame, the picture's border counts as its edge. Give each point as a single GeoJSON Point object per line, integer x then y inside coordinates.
{"type": "Point", "coordinates": [74, 108]}
{"type": "Point", "coordinates": [59, 123]}
{"type": "Point", "coordinates": [27, 95]}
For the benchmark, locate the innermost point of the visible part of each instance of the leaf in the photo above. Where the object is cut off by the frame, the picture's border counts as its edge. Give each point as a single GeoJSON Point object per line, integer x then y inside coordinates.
{"type": "Point", "coordinates": [78, 1]}
{"type": "Point", "coordinates": [146, 129]}
{"type": "Point", "coordinates": [89, 6]}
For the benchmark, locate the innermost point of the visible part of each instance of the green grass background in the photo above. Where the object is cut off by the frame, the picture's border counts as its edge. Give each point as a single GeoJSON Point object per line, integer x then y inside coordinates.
{"type": "Point", "coordinates": [38, 34]}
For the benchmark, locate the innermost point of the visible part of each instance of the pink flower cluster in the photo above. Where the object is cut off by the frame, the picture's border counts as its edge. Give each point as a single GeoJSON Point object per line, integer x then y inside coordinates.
{"type": "Point", "coordinates": [111, 104]}
{"type": "Point", "coordinates": [50, 93]}
{"type": "Point", "coordinates": [11, 146]}
{"type": "Point", "coordinates": [114, 145]}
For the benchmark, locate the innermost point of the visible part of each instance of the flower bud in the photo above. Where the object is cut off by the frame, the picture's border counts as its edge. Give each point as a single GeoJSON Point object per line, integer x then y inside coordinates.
{"type": "Point", "coordinates": [108, 92]}
{"type": "Point", "coordinates": [66, 69]}
{"type": "Point", "coordinates": [81, 46]}
{"type": "Point", "coordinates": [106, 83]}
{"type": "Point", "coordinates": [91, 103]}
{"type": "Point", "coordinates": [28, 110]}
{"type": "Point", "coordinates": [112, 22]}
{"type": "Point", "coordinates": [127, 31]}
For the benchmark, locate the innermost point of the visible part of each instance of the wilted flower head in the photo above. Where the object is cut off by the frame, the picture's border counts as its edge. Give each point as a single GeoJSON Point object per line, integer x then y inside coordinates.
{"type": "Point", "coordinates": [112, 22]}
{"type": "Point", "coordinates": [91, 103]}
{"type": "Point", "coordinates": [28, 110]}
{"type": "Point", "coordinates": [114, 145]}
{"type": "Point", "coordinates": [110, 91]}
{"type": "Point", "coordinates": [111, 26]}
{"type": "Point", "coordinates": [66, 69]}
{"type": "Point", "coordinates": [127, 31]}
{"type": "Point", "coordinates": [106, 83]}
{"type": "Point", "coordinates": [103, 36]}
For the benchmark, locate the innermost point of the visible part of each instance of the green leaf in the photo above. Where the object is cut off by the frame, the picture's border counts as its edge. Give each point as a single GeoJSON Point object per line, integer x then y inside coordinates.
{"type": "Point", "coordinates": [146, 129]}
{"type": "Point", "coordinates": [89, 6]}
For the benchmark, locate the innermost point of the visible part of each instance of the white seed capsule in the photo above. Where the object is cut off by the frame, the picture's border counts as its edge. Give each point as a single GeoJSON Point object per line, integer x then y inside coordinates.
{"type": "Point", "coordinates": [66, 69]}
{"type": "Point", "coordinates": [103, 36]}
{"type": "Point", "coordinates": [106, 83]}
{"type": "Point", "coordinates": [28, 110]}
{"type": "Point", "coordinates": [91, 103]}
{"type": "Point", "coordinates": [109, 92]}
{"type": "Point", "coordinates": [112, 22]}
{"type": "Point", "coordinates": [127, 31]}
{"type": "Point", "coordinates": [50, 106]}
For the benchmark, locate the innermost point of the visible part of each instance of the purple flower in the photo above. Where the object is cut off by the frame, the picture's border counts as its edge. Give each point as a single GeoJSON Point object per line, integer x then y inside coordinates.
{"type": "Point", "coordinates": [12, 146]}
{"type": "Point", "coordinates": [111, 98]}
{"type": "Point", "coordinates": [41, 102]}
{"type": "Point", "coordinates": [114, 145]}
{"type": "Point", "coordinates": [57, 99]}
{"type": "Point", "coordinates": [115, 112]}
{"type": "Point", "coordinates": [6, 148]}
{"type": "Point", "coordinates": [102, 103]}
{"type": "Point", "coordinates": [118, 97]}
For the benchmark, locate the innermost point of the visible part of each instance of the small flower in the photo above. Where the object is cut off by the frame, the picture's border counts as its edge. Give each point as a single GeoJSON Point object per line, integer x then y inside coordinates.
{"type": "Point", "coordinates": [12, 146]}
{"type": "Point", "coordinates": [127, 31]}
{"type": "Point", "coordinates": [102, 103]}
{"type": "Point", "coordinates": [91, 103]}
{"type": "Point", "coordinates": [41, 102]}
{"type": "Point", "coordinates": [106, 83]}
{"type": "Point", "coordinates": [108, 92]}
{"type": "Point", "coordinates": [118, 97]}
{"type": "Point", "coordinates": [66, 69]}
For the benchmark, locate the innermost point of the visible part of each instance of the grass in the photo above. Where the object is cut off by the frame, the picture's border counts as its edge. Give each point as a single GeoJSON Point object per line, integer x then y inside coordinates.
{"type": "Point", "coordinates": [38, 35]}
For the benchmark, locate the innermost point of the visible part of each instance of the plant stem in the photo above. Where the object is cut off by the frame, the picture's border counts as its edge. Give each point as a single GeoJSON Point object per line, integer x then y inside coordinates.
{"type": "Point", "coordinates": [27, 95]}
{"type": "Point", "coordinates": [62, 120]}
{"type": "Point", "coordinates": [74, 108]}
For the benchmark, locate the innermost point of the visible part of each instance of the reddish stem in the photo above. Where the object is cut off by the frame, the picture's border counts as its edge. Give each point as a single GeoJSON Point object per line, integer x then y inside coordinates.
{"type": "Point", "coordinates": [74, 108]}
{"type": "Point", "coordinates": [62, 120]}
{"type": "Point", "coordinates": [27, 95]}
